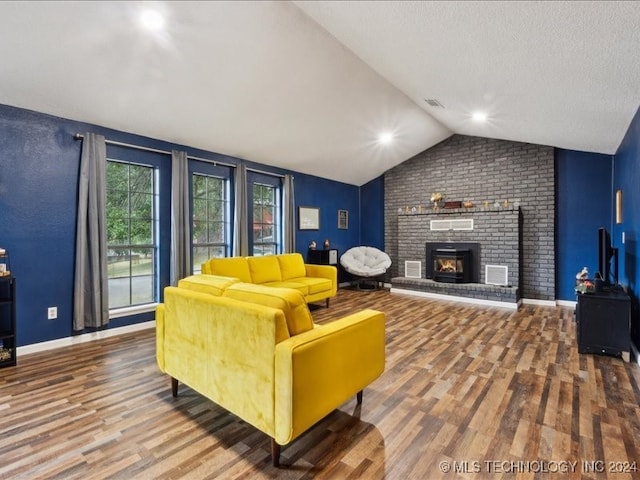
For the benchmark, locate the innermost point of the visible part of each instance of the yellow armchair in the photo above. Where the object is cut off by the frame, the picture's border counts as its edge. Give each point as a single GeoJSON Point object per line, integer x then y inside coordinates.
{"type": "Point", "coordinates": [242, 356]}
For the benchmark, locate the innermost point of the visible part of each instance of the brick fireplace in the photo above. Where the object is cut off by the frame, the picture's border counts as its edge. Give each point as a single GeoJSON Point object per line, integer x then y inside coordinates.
{"type": "Point", "coordinates": [495, 239]}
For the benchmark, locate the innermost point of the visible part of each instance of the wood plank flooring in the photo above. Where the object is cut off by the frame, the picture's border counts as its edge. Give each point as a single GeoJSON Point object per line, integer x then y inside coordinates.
{"type": "Point", "coordinates": [469, 392]}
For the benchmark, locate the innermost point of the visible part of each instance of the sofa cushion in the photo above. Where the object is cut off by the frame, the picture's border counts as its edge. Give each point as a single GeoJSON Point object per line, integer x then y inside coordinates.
{"type": "Point", "coordinates": [301, 287]}
{"type": "Point", "coordinates": [211, 284]}
{"type": "Point", "coordinates": [314, 284]}
{"type": "Point", "coordinates": [291, 266]}
{"type": "Point", "coordinates": [264, 269]}
{"type": "Point", "coordinates": [235, 267]}
{"type": "Point", "coordinates": [291, 302]}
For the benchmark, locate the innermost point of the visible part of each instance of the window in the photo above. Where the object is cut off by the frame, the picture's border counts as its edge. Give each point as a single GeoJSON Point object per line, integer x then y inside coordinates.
{"type": "Point", "coordinates": [131, 234]}
{"type": "Point", "coordinates": [210, 219]}
{"type": "Point", "coordinates": [266, 219]}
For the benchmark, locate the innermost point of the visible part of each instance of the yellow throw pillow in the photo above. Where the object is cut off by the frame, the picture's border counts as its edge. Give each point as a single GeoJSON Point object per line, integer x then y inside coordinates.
{"type": "Point", "coordinates": [264, 269]}
{"type": "Point", "coordinates": [291, 266]}
{"type": "Point", "coordinates": [291, 302]}
{"type": "Point", "coordinates": [236, 267]}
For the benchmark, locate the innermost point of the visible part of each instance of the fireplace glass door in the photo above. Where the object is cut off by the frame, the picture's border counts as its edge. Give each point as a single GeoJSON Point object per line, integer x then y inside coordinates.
{"type": "Point", "coordinates": [450, 265]}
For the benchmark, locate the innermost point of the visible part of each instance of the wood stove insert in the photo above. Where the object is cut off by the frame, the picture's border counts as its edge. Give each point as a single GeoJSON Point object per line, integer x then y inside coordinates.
{"type": "Point", "coordinates": [453, 262]}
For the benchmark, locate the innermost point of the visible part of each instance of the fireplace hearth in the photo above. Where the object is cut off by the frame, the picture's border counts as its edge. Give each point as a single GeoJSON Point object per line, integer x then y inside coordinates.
{"type": "Point", "coordinates": [453, 262]}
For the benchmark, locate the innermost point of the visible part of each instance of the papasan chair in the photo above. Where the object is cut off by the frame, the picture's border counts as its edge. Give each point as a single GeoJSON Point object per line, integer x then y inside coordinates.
{"type": "Point", "coordinates": [368, 264]}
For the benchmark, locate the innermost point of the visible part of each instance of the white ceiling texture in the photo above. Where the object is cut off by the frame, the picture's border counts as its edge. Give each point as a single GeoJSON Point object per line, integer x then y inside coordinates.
{"type": "Point", "coordinates": [309, 86]}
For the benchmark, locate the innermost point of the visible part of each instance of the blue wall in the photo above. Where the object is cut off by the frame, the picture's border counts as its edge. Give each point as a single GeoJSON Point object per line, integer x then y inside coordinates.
{"type": "Point", "coordinates": [38, 194]}
{"type": "Point", "coordinates": [627, 178]}
{"type": "Point", "coordinates": [583, 204]}
{"type": "Point", "coordinates": [330, 197]}
{"type": "Point", "coordinates": [371, 210]}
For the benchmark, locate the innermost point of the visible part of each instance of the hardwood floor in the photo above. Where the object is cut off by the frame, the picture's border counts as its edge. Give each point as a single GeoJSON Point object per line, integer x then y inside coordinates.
{"type": "Point", "coordinates": [485, 392]}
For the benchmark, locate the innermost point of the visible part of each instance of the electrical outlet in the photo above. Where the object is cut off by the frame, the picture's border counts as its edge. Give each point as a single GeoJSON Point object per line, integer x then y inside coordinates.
{"type": "Point", "coordinates": [52, 313]}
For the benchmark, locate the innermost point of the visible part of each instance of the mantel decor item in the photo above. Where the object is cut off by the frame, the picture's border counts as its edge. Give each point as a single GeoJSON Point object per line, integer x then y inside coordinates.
{"type": "Point", "coordinates": [453, 204]}
{"type": "Point", "coordinates": [436, 198]}
{"type": "Point", "coordinates": [308, 218]}
{"type": "Point", "coordinates": [343, 219]}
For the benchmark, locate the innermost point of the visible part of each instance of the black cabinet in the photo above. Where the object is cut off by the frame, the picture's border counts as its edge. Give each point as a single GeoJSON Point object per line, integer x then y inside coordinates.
{"type": "Point", "coordinates": [7, 321]}
{"type": "Point", "coordinates": [323, 257]}
{"type": "Point", "coordinates": [603, 323]}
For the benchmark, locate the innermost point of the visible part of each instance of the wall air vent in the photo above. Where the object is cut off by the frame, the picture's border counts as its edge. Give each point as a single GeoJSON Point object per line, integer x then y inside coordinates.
{"type": "Point", "coordinates": [433, 102]}
{"type": "Point", "coordinates": [496, 275]}
{"type": "Point", "coordinates": [412, 269]}
{"type": "Point", "coordinates": [455, 224]}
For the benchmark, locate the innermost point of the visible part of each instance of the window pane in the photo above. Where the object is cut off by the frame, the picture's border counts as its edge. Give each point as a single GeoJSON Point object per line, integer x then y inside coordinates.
{"type": "Point", "coordinates": [200, 209]}
{"type": "Point", "coordinates": [141, 179]}
{"type": "Point", "coordinates": [199, 186]}
{"type": "Point", "coordinates": [141, 205]}
{"type": "Point", "coordinates": [200, 232]}
{"type": "Point", "coordinates": [117, 231]}
{"type": "Point", "coordinates": [117, 176]}
{"type": "Point", "coordinates": [141, 232]}
{"type": "Point", "coordinates": [216, 232]}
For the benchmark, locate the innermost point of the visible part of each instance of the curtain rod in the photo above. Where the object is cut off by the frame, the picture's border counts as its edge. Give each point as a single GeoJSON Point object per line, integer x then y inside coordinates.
{"type": "Point", "coordinates": [79, 136]}
{"type": "Point", "coordinates": [264, 173]}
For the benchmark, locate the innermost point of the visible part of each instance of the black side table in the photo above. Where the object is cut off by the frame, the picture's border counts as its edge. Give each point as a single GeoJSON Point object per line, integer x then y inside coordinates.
{"type": "Point", "coordinates": [603, 323]}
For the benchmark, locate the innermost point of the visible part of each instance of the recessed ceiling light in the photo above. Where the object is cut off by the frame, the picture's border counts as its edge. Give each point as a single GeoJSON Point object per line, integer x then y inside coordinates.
{"type": "Point", "coordinates": [385, 138]}
{"type": "Point", "coordinates": [152, 20]}
{"type": "Point", "coordinates": [479, 117]}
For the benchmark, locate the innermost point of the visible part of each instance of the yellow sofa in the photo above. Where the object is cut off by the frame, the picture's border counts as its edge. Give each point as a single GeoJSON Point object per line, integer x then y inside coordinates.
{"type": "Point", "coordinates": [255, 351]}
{"type": "Point", "coordinates": [288, 270]}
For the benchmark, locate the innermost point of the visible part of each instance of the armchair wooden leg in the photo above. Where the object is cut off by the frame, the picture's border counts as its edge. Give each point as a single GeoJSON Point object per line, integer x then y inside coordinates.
{"type": "Point", "coordinates": [174, 387]}
{"type": "Point", "coordinates": [327, 303]}
{"type": "Point", "coordinates": [275, 453]}
{"type": "Point", "coordinates": [359, 397]}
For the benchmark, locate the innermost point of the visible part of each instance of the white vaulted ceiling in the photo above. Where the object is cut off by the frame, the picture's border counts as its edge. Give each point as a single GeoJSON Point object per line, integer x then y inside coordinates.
{"type": "Point", "coordinates": [309, 86]}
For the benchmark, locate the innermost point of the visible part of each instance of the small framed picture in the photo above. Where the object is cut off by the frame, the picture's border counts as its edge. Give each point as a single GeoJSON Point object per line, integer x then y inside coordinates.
{"type": "Point", "coordinates": [343, 219]}
{"type": "Point", "coordinates": [308, 218]}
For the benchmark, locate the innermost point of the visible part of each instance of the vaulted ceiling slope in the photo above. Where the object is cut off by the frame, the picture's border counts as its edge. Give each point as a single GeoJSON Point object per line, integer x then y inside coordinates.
{"type": "Point", "coordinates": [309, 86]}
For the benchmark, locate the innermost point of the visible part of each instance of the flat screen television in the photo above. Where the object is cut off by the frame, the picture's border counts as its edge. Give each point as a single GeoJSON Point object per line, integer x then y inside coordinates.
{"type": "Point", "coordinates": [606, 252]}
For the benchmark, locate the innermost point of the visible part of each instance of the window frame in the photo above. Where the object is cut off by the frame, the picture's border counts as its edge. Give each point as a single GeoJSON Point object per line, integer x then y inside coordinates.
{"type": "Point", "coordinates": [270, 181]}
{"type": "Point", "coordinates": [224, 177]}
{"type": "Point", "coordinates": [154, 246]}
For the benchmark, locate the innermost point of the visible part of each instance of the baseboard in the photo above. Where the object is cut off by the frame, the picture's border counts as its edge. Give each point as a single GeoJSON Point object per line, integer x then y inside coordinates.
{"type": "Point", "coordinates": [83, 338]}
{"type": "Point", "coordinates": [452, 298]}
{"type": "Point", "coordinates": [535, 301]}
{"type": "Point", "coordinates": [566, 303]}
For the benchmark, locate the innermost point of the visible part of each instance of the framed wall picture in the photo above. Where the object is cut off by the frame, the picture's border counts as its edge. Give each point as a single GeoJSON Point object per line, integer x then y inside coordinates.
{"type": "Point", "coordinates": [308, 218]}
{"type": "Point", "coordinates": [343, 219]}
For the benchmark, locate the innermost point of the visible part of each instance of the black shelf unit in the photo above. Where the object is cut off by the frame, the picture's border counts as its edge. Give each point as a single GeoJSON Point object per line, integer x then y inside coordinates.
{"type": "Point", "coordinates": [603, 323]}
{"type": "Point", "coordinates": [323, 257]}
{"type": "Point", "coordinates": [7, 321]}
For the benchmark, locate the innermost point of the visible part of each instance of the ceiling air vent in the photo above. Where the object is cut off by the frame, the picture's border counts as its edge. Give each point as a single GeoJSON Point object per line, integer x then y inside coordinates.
{"type": "Point", "coordinates": [433, 102]}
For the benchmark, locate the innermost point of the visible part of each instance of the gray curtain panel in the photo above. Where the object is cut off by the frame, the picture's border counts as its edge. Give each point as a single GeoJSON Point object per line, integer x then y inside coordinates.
{"type": "Point", "coordinates": [240, 217]}
{"type": "Point", "coordinates": [90, 289]}
{"type": "Point", "coordinates": [180, 222]}
{"type": "Point", "coordinates": [289, 215]}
